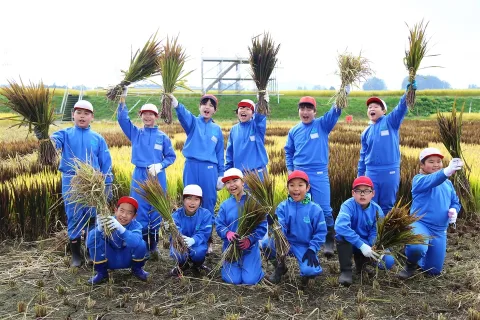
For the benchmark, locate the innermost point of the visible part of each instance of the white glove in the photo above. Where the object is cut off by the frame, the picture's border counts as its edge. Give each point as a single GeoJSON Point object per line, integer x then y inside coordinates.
{"type": "Point", "coordinates": [174, 100]}
{"type": "Point", "coordinates": [368, 252]}
{"type": "Point", "coordinates": [454, 165]}
{"type": "Point", "coordinates": [165, 225]}
{"type": "Point", "coordinates": [100, 221]}
{"type": "Point", "coordinates": [266, 97]}
{"type": "Point", "coordinates": [113, 224]}
{"type": "Point", "coordinates": [188, 241]}
{"type": "Point", "coordinates": [155, 169]}
{"type": "Point", "coordinates": [124, 92]}
{"type": "Point", "coordinates": [219, 183]}
{"type": "Point", "coordinates": [347, 89]}
{"type": "Point", "coordinates": [452, 215]}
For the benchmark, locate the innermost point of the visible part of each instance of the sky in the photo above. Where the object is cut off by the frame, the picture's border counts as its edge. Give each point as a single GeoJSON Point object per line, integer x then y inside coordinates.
{"type": "Point", "coordinates": [89, 42]}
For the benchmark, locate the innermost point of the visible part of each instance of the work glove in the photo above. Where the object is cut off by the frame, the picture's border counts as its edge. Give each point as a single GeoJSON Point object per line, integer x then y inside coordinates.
{"type": "Point", "coordinates": [368, 252]}
{"type": "Point", "coordinates": [174, 100]}
{"type": "Point", "coordinates": [454, 165]}
{"type": "Point", "coordinates": [100, 222]}
{"type": "Point", "coordinates": [266, 97]}
{"type": "Point", "coordinates": [113, 224]}
{"type": "Point", "coordinates": [413, 84]}
{"type": "Point", "coordinates": [37, 133]}
{"type": "Point", "coordinates": [231, 236]}
{"type": "Point", "coordinates": [108, 192]}
{"type": "Point", "coordinates": [155, 169]}
{"type": "Point", "coordinates": [311, 257]}
{"type": "Point", "coordinates": [347, 89]}
{"type": "Point", "coordinates": [188, 241]}
{"type": "Point", "coordinates": [452, 216]}
{"type": "Point", "coordinates": [219, 183]}
{"type": "Point", "coordinates": [244, 244]}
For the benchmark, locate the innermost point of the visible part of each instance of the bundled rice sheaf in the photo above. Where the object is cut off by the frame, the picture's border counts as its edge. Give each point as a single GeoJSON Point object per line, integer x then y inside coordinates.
{"type": "Point", "coordinates": [34, 105]}
{"type": "Point", "coordinates": [263, 58]}
{"type": "Point", "coordinates": [152, 192]}
{"type": "Point", "coordinates": [171, 62]}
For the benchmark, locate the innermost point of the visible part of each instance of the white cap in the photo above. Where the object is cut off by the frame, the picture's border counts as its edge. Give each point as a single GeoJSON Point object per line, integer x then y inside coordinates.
{"type": "Point", "coordinates": [232, 173]}
{"type": "Point", "coordinates": [149, 107]}
{"type": "Point", "coordinates": [83, 104]}
{"type": "Point", "coordinates": [246, 103]}
{"type": "Point", "coordinates": [428, 152]}
{"type": "Point", "coordinates": [192, 190]}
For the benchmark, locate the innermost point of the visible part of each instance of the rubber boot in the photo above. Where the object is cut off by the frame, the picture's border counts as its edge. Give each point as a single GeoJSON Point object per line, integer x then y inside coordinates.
{"type": "Point", "coordinates": [345, 251]}
{"type": "Point", "coordinates": [361, 262]}
{"type": "Point", "coordinates": [280, 270]}
{"type": "Point", "coordinates": [75, 246]}
{"type": "Point", "coordinates": [407, 271]}
{"type": "Point", "coordinates": [137, 270]}
{"type": "Point", "coordinates": [199, 268]}
{"type": "Point", "coordinates": [329, 242]}
{"type": "Point", "coordinates": [101, 273]}
{"type": "Point", "coordinates": [178, 270]}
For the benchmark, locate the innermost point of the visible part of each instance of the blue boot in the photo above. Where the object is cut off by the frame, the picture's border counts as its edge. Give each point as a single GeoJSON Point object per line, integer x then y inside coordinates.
{"type": "Point", "coordinates": [137, 270]}
{"type": "Point", "coordinates": [102, 273]}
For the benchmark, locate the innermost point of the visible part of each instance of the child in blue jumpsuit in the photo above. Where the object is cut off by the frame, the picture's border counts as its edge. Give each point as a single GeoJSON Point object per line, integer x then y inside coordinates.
{"type": "Point", "coordinates": [434, 199]}
{"type": "Point", "coordinates": [152, 153]}
{"type": "Point", "coordinates": [80, 142]}
{"type": "Point", "coordinates": [246, 141]}
{"type": "Point", "coordinates": [124, 249]}
{"type": "Point", "coordinates": [356, 230]}
{"type": "Point", "coordinates": [307, 150]}
{"type": "Point", "coordinates": [195, 226]}
{"type": "Point", "coordinates": [248, 269]}
{"type": "Point", "coordinates": [303, 223]}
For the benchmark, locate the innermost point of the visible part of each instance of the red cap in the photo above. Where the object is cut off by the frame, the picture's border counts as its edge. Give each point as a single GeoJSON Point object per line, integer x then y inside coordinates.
{"type": "Point", "coordinates": [362, 181]}
{"type": "Point", "coordinates": [377, 100]}
{"type": "Point", "coordinates": [210, 96]}
{"type": "Point", "coordinates": [298, 174]}
{"type": "Point", "coordinates": [309, 100]}
{"type": "Point", "coordinates": [247, 103]}
{"type": "Point", "coordinates": [129, 200]}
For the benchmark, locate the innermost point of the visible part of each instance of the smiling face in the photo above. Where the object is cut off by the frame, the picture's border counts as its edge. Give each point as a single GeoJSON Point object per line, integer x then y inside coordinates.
{"type": "Point", "coordinates": [125, 213]}
{"type": "Point", "coordinates": [306, 113]}
{"type": "Point", "coordinates": [244, 114]}
{"type": "Point", "coordinates": [235, 187]}
{"type": "Point", "coordinates": [82, 118]}
{"type": "Point", "coordinates": [363, 195]}
{"type": "Point", "coordinates": [191, 204]}
{"type": "Point", "coordinates": [297, 189]}
{"type": "Point", "coordinates": [207, 109]}
{"type": "Point", "coordinates": [149, 118]}
{"type": "Point", "coordinates": [375, 111]}
{"type": "Point", "coordinates": [431, 164]}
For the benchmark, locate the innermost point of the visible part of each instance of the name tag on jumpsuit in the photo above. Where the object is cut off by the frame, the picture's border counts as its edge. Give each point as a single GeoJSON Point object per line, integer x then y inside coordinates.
{"type": "Point", "coordinates": [214, 139]}
{"type": "Point", "coordinates": [252, 138]}
{"type": "Point", "coordinates": [384, 133]}
{"type": "Point", "coordinates": [306, 219]}
{"type": "Point", "coordinates": [158, 146]}
{"type": "Point", "coordinates": [314, 135]}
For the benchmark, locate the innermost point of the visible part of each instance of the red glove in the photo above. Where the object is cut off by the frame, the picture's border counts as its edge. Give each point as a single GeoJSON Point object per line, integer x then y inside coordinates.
{"type": "Point", "coordinates": [244, 244]}
{"type": "Point", "coordinates": [231, 236]}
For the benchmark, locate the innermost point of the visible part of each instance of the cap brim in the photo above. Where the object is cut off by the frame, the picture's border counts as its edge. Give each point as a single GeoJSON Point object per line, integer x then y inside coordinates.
{"type": "Point", "coordinates": [79, 108]}
{"type": "Point", "coordinates": [376, 100]}
{"type": "Point", "coordinates": [433, 154]}
{"type": "Point", "coordinates": [225, 179]}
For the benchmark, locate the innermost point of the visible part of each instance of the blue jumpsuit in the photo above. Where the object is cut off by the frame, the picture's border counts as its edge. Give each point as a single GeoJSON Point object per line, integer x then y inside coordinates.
{"type": "Point", "coordinates": [246, 145]}
{"type": "Point", "coordinates": [87, 146]}
{"type": "Point", "coordinates": [120, 250]}
{"type": "Point", "coordinates": [248, 269]}
{"type": "Point", "coordinates": [433, 195]}
{"type": "Point", "coordinates": [198, 227]}
{"type": "Point", "coordinates": [307, 150]}
{"type": "Point", "coordinates": [149, 146]}
{"type": "Point", "coordinates": [204, 155]}
{"type": "Point", "coordinates": [358, 226]}
{"type": "Point", "coordinates": [380, 155]}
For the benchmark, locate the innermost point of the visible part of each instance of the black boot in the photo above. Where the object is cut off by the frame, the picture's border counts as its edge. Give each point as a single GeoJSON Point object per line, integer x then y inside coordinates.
{"type": "Point", "coordinates": [361, 263]}
{"type": "Point", "coordinates": [179, 269]}
{"type": "Point", "coordinates": [280, 270]}
{"type": "Point", "coordinates": [199, 268]}
{"type": "Point", "coordinates": [407, 271]}
{"type": "Point", "coordinates": [75, 246]}
{"type": "Point", "coordinates": [345, 251]}
{"type": "Point", "coordinates": [329, 242]}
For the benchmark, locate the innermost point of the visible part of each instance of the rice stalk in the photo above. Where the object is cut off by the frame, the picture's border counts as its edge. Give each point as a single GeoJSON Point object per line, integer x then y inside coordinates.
{"type": "Point", "coordinates": [33, 104]}
{"type": "Point", "coordinates": [171, 62]}
{"type": "Point", "coordinates": [152, 192]}
{"type": "Point", "coordinates": [263, 58]}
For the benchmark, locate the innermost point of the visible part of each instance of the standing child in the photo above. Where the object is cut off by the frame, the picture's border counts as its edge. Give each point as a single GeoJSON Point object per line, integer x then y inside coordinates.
{"type": "Point", "coordinates": [356, 230]}
{"type": "Point", "coordinates": [152, 153]}
{"type": "Point", "coordinates": [246, 142]}
{"type": "Point", "coordinates": [435, 200]}
{"type": "Point", "coordinates": [248, 269]}
{"type": "Point", "coordinates": [303, 223]}
{"type": "Point", "coordinates": [80, 142]}
{"type": "Point", "coordinates": [124, 249]}
{"type": "Point", "coordinates": [195, 225]}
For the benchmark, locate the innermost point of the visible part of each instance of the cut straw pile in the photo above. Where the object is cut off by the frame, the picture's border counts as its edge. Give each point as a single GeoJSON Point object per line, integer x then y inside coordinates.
{"type": "Point", "coordinates": [87, 189]}
{"type": "Point", "coordinates": [263, 58]}
{"type": "Point", "coordinates": [143, 64]}
{"type": "Point", "coordinates": [152, 192]}
{"type": "Point", "coordinates": [264, 193]}
{"type": "Point", "coordinates": [450, 128]}
{"type": "Point", "coordinates": [34, 105]}
{"type": "Point", "coordinates": [171, 62]}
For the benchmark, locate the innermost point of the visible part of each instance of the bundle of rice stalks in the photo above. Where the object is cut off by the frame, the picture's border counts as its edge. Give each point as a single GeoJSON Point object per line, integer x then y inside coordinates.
{"type": "Point", "coordinates": [264, 193]}
{"type": "Point", "coordinates": [34, 105]}
{"type": "Point", "coordinates": [417, 50]}
{"type": "Point", "coordinates": [450, 128]}
{"type": "Point", "coordinates": [352, 69]}
{"type": "Point", "coordinates": [143, 65]}
{"type": "Point", "coordinates": [252, 215]}
{"type": "Point", "coordinates": [263, 58]}
{"type": "Point", "coordinates": [152, 192]}
{"type": "Point", "coordinates": [171, 62]}
{"type": "Point", "coordinates": [87, 189]}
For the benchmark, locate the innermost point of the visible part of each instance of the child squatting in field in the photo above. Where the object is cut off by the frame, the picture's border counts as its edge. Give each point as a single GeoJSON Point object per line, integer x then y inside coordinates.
{"type": "Point", "coordinates": [152, 153]}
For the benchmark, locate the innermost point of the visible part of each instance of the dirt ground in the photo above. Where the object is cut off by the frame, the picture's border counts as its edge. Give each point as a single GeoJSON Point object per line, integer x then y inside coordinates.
{"type": "Point", "coordinates": [36, 281]}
